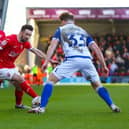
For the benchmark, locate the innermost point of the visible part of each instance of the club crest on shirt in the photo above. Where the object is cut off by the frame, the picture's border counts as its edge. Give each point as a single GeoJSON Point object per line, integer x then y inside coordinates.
{"type": "Point", "coordinates": [13, 54]}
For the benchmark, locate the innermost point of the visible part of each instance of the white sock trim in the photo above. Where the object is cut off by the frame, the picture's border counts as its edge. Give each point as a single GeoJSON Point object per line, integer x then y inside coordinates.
{"type": "Point", "coordinates": [98, 88]}
{"type": "Point", "coordinates": [49, 82]}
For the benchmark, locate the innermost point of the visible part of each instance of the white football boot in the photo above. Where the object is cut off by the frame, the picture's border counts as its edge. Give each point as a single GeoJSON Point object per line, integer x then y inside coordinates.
{"type": "Point", "coordinates": [115, 108]}
{"type": "Point", "coordinates": [36, 102]}
{"type": "Point", "coordinates": [37, 110]}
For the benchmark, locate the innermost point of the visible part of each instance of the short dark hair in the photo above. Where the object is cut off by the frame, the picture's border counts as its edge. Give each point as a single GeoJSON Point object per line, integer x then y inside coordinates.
{"type": "Point", "coordinates": [66, 16]}
{"type": "Point", "coordinates": [26, 26]}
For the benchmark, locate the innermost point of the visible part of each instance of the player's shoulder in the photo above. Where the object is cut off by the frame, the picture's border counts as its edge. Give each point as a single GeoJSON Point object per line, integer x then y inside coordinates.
{"type": "Point", "coordinates": [27, 45]}
{"type": "Point", "coordinates": [27, 42]}
{"type": "Point", "coordinates": [11, 37]}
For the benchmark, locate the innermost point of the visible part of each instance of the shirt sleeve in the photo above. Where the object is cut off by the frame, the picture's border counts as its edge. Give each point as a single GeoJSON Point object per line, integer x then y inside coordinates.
{"type": "Point", "coordinates": [89, 40]}
{"type": "Point", "coordinates": [8, 41]}
{"type": "Point", "coordinates": [57, 35]}
{"type": "Point", "coordinates": [4, 43]}
{"type": "Point", "coordinates": [27, 45]}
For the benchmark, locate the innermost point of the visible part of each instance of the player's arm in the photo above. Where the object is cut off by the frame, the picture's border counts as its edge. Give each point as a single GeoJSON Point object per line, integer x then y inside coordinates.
{"type": "Point", "coordinates": [41, 54]}
{"type": "Point", "coordinates": [50, 52]}
{"type": "Point", "coordinates": [94, 47]}
{"type": "Point", "coordinates": [38, 52]}
{"type": "Point", "coordinates": [51, 49]}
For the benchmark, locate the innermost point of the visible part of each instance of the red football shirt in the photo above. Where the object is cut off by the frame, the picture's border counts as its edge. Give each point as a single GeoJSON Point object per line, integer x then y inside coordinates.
{"type": "Point", "coordinates": [2, 36]}
{"type": "Point", "coordinates": [11, 50]}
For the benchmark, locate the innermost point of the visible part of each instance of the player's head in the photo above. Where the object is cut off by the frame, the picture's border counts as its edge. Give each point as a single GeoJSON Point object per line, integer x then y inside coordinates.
{"type": "Point", "coordinates": [25, 33]}
{"type": "Point", "coordinates": [66, 17]}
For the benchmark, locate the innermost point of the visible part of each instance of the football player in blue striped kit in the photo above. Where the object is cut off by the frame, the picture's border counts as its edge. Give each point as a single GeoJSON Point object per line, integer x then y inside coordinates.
{"type": "Point", "coordinates": [76, 43]}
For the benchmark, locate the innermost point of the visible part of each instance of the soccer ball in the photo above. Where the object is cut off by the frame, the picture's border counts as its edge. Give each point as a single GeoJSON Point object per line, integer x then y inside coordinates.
{"type": "Point", "coordinates": [36, 102]}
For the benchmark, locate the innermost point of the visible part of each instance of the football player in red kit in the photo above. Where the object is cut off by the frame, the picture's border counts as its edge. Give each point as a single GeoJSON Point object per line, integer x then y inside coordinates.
{"type": "Point", "coordinates": [10, 48]}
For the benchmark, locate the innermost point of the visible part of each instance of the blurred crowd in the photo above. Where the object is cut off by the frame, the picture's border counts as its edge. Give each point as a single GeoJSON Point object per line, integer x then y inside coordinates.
{"type": "Point", "coordinates": [116, 53]}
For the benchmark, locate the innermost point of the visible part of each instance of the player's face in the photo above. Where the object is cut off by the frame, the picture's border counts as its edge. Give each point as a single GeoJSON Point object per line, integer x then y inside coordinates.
{"type": "Point", "coordinates": [63, 22]}
{"type": "Point", "coordinates": [25, 35]}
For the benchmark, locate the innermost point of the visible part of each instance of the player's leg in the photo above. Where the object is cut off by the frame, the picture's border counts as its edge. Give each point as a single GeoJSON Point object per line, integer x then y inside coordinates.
{"type": "Point", "coordinates": [46, 94]}
{"type": "Point", "coordinates": [58, 73]}
{"type": "Point", "coordinates": [27, 89]}
{"type": "Point", "coordinates": [18, 93]}
{"type": "Point", "coordinates": [104, 94]}
{"type": "Point", "coordinates": [19, 96]}
{"type": "Point", "coordinates": [47, 90]}
{"type": "Point", "coordinates": [91, 74]}
{"type": "Point", "coordinates": [14, 75]}
{"type": "Point", "coordinates": [24, 85]}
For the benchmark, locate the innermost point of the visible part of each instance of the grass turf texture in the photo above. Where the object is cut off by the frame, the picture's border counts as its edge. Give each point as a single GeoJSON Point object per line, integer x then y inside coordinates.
{"type": "Point", "coordinates": [70, 107]}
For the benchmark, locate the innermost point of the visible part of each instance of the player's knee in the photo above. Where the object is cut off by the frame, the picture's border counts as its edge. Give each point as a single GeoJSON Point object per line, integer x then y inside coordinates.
{"type": "Point", "coordinates": [18, 78]}
{"type": "Point", "coordinates": [95, 84]}
{"type": "Point", "coordinates": [18, 88]}
{"type": "Point", "coordinates": [52, 78]}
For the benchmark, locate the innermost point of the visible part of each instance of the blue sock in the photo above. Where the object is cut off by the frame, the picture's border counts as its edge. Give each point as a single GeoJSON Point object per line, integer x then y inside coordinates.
{"type": "Point", "coordinates": [46, 93]}
{"type": "Point", "coordinates": [103, 93]}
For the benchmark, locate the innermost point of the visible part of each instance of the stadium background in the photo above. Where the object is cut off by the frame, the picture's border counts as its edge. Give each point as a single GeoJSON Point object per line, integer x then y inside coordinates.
{"type": "Point", "coordinates": [102, 22]}
{"type": "Point", "coordinates": [71, 107]}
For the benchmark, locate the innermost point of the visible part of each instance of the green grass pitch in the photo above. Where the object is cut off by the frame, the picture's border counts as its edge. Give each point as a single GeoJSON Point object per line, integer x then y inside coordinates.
{"type": "Point", "coordinates": [70, 107]}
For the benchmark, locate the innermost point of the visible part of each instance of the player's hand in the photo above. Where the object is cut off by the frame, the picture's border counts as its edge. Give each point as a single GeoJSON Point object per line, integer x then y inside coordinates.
{"type": "Point", "coordinates": [105, 71]}
{"type": "Point", "coordinates": [54, 61]}
{"type": "Point", "coordinates": [44, 66]}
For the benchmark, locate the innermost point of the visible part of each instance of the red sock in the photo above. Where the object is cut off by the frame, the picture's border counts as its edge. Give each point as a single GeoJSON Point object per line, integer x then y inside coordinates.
{"type": "Point", "coordinates": [28, 89]}
{"type": "Point", "coordinates": [18, 95]}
